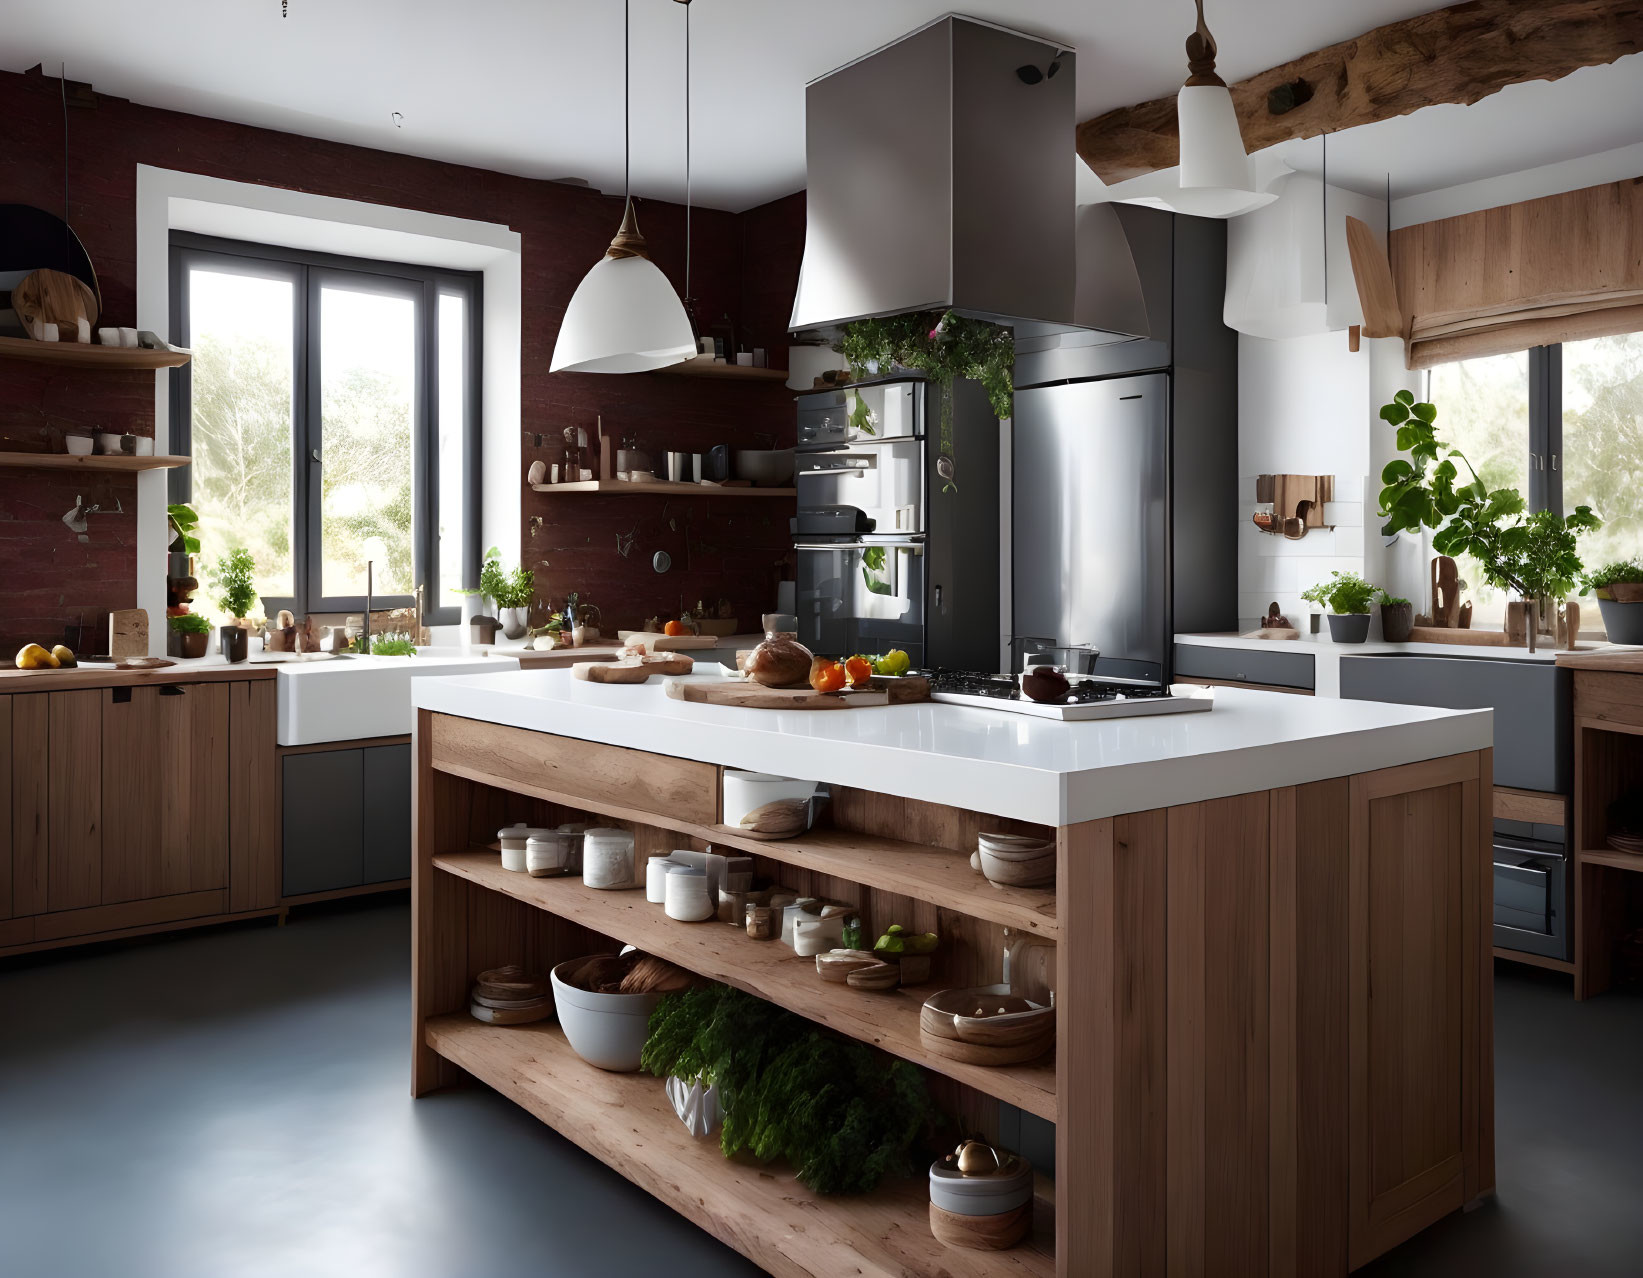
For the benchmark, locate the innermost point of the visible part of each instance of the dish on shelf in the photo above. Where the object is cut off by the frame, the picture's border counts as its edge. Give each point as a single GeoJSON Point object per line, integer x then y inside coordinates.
{"type": "Point", "coordinates": [606, 1030]}
{"type": "Point", "coordinates": [510, 996]}
{"type": "Point", "coordinates": [986, 1025]}
{"type": "Point", "coordinates": [880, 976]}
{"type": "Point", "coordinates": [836, 965]}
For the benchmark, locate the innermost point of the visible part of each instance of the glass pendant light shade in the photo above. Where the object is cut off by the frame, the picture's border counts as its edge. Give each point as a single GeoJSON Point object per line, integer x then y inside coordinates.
{"type": "Point", "coordinates": [624, 316]}
{"type": "Point", "coordinates": [1212, 149]}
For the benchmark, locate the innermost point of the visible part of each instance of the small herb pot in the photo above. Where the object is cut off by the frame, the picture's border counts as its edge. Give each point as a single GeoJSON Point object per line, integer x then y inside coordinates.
{"type": "Point", "coordinates": [1397, 620]}
{"type": "Point", "coordinates": [1351, 627]}
{"type": "Point", "coordinates": [1622, 621]}
{"type": "Point", "coordinates": [191, 643]}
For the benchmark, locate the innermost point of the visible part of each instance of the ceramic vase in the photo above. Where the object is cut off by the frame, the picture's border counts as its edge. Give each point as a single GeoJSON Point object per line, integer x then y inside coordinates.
{"type": "Point", "coordinates": [515, 622]}
{"type": "Point", "coordinates": [697, 1106]}
{"type": "Point", "coordinates": [1397, 620]}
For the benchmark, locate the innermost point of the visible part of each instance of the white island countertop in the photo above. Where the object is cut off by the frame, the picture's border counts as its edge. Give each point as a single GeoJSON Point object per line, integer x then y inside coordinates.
{"type": "Point", "coordinates": [990, 761]}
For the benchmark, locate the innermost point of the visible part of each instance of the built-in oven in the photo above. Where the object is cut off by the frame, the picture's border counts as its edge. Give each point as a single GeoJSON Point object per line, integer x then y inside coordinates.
{"type": "Point", "coordinates": [1532, 896]}
{"type": "Point", "coordinates": [882, 479]}
{"type": "Point", "coordinates": [861, 595]}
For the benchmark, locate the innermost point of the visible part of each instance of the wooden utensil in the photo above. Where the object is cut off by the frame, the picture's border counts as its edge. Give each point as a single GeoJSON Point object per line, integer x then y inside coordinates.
{"type": "Point", "coordinates": [779, 819]}
{"type": "Point", "coordinates": [127, 630]}
{"type": "Point", "coordinates": [54, 297]}
{"type": "Point", "coordinates": [1372, 273]}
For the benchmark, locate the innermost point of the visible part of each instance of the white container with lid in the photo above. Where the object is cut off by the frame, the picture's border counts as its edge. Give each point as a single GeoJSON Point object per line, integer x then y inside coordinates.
{"type": "Point", "coordinates": [548, 853]}
{"type": "Point", "coordinates": [745, 791]}
{"type": "Point", "coordinates": [607, 858]}
{"type": "Point", "coordinates": [513, 839]}
{"type": "Point", "coordinates": [656, 869]}
{"type": "Point", "coordinates": [688, 900]}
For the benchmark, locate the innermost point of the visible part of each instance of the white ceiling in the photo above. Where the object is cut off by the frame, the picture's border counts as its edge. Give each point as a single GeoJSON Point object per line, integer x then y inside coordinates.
{"type": "Point", "coordinates": [534, 86]}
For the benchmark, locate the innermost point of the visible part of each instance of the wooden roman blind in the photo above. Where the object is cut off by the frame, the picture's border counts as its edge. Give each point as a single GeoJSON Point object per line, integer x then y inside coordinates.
{"type": "Point", "coordinates": [1560, 268]}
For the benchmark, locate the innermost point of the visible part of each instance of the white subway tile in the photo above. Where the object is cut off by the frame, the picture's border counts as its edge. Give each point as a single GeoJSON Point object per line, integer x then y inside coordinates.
{"type": "Point", "coordinates": [1349, 541]}
{"type": "Point", "coordinates": [1349, 487]}
{"type": "Point", "coordinates": [1344, 514]}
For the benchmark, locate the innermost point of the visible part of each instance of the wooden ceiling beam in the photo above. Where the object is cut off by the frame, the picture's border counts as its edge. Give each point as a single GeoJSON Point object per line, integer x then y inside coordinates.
{"type": "Point", "coordinates": [1455, 55]}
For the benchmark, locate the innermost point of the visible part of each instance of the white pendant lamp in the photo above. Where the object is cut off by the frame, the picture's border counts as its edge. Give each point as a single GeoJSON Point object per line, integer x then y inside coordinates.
{"type": "Point", "coordinates": [624, 316]}
{"type": "Point", "coordinates": [1213, 159]}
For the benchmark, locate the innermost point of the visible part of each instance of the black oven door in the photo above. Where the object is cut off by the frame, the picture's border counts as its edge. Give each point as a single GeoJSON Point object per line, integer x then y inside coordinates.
{"type": "Point", "coordinates": [863, 596]}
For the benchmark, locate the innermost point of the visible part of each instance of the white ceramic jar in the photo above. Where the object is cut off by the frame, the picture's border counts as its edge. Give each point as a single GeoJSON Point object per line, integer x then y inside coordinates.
{"type": "Point", "coordinates": [813, 936]}
{"type": "Point", "coordinates": [688, 900]}
{"type": "Point", "coordinates": [513, 841]}
{"type": "Point", "coordinates": [607, 858]}
{"type": "Point", "coordinates": [656, 869]}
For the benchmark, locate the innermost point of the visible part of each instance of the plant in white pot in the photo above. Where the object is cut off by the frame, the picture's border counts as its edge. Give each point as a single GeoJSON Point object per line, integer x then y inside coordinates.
{"type": "Point", "coordinates": [1619, 590]}
{"type": "Point", "coordinates": [509, 592]}
{"type": "Point", "coordinates": [1347, 596]}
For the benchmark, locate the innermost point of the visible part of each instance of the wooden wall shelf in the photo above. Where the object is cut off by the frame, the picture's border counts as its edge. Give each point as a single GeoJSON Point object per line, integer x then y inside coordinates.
{"type": "Point", "coordinates": [662, 486]}
{"type": "Point", "coordinates": [704, 366]}
{"type": "Point", "coordinates": [762, 1210]}
{"type": "Point", "coordinates": [768, 969]}
{"type": "Point", "coordinates": [87, 355]}
{"type": "Point", "coordinates": [63, 461]}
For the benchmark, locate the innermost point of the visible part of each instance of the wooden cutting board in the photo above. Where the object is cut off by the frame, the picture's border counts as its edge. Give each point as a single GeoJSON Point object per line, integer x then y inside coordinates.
{"type": "Point", "coordinates": [128, 633]}
{"type": "Point", "coordinates": [658, 642]}
{"type": "Point", "coordinates": [55, 297]}
{"type": "Point", "coordinates": [755, 696]}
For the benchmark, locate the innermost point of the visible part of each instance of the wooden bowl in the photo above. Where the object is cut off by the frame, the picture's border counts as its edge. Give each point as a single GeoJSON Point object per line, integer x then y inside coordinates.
{"type": "Point", "coordinates": [878, 976]}
{"type": "Point", "coordinates": [1010, 1029]}
{"type": "Point", "coordinates": [836, 965]}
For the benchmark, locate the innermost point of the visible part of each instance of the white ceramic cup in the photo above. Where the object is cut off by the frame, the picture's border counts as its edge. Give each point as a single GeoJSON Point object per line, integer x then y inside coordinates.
{"type": "Point", "coordinates": [109, 336]}
{"type": "Point", "coordinates": [108, 444]}
{"type": "Point", "coordinates": [77, 445]}
{"type": "Point", "coordinates": [128, 337]}
{"type": "Point", "coordinates": [656, 869]}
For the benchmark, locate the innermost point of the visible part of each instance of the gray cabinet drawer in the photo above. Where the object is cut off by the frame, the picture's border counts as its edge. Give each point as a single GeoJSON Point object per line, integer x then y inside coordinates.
{"type": "Point", "coordinates": [323, 821]}
{"type": "Point", "coordinates": [1246, 665]}
{"type": "Point", "coordinates": [1534, 742]}
{"type": "Point", "coordinates": [387, 797]}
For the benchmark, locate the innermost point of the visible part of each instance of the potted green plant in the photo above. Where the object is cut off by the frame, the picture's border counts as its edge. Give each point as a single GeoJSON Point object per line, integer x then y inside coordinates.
{"type": "Point", "coordinates": [944, 345]}
{"type": "Point", "coordinates": [1534, 555]}
{"type": "Point", "coordinates": [189, 635]}
{"type": "Point", "coordinates": [1397, 618]}
{"type": "Point", "coordinates": [1619, 590]}
{"type": "Point", "coordinates": [232, 580]}
{"type": "Point", "coordinates": [509, 592]}
{"type": "Point", "coordinates": [1347, 596]}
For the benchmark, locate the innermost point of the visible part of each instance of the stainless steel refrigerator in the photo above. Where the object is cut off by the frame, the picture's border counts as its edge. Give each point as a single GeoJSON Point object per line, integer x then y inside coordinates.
{"type": "Point", "coordinates": [1091, 545]}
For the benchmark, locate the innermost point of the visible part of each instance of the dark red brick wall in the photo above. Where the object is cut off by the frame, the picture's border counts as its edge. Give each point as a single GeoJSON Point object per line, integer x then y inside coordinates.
{"type": "Point", "coordinates": [742, 265]}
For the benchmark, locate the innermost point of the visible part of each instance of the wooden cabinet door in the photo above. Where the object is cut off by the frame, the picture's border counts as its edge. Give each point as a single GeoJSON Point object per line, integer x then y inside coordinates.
{"type": "Point", "coordinates": [253, 815]}
{"type": "Point", "coordinates": [1413, 991]}
{"type": "Point", "coordinates": [74, 805]}
{"type": "Point", "coordinates": [165, 790]}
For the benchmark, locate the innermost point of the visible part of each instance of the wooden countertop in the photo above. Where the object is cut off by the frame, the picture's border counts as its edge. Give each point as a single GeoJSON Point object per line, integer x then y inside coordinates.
{"type": "Point", "coordinates": [94, 677]}
{"type": "Point", "coordinates": [1615, 660]}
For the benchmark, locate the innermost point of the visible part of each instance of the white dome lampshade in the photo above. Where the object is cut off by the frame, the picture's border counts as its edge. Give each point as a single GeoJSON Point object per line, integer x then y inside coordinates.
{"type": "Point", "coordinates": [1212, 148]}
{"type": "Point", "coordinates": [1216, 176]}
{"type": "Point", "coordinates": [624, 316]}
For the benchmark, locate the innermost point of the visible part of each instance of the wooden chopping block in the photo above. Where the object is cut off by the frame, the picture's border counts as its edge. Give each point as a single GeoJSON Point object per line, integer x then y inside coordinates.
{"type": "Point", "coordinates": [655, 641]}
{"type": "Point", "coordinates": [127, 631]}
{"type": "Point", "coordinates": [54, 297]}
{"type": "Point", "coordinates": [1445, 592]}
{"type": "Point", "coordinates": [610, 672]}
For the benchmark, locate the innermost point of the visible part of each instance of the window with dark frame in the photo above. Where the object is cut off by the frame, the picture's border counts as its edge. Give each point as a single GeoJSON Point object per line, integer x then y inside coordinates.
{"type": "Point", "coordinates": [332, 412]}
{"type": "Point", "coordinates": [1563, 424]}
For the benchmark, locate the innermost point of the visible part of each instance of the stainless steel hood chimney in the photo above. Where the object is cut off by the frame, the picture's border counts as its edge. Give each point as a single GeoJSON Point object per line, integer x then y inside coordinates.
{"type": "Point", "coordinates": [940, 175]}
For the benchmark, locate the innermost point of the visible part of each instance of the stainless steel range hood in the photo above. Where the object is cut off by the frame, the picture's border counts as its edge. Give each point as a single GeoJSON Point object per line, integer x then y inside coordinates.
{"type": "Point", "coordinates": [940, 176]}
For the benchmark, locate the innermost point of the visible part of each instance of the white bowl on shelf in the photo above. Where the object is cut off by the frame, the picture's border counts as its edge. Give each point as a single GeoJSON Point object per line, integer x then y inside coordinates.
{"type": "Point", "coordinates": [606, 1030]}
{"type": "Point", "coordinates": [746, 791]}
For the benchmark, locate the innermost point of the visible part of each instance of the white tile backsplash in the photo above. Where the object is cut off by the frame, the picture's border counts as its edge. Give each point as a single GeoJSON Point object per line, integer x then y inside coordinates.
{"type": "Point", "coordinates": [1349, 541]}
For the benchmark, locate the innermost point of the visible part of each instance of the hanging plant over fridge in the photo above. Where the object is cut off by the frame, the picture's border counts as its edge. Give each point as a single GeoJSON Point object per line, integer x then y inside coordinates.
{"type": "Point", "coordinates": [945, 346]}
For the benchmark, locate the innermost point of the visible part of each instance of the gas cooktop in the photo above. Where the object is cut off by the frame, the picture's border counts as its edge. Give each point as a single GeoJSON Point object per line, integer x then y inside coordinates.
{"type": "Point", "coordinates": [1087, 698]}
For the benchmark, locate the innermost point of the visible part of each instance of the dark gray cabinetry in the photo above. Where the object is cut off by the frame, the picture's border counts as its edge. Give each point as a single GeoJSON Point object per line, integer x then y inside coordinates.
{"type": "Point", "coordinates": [1532, 701]}
{"type": "Point", "coordinates": [1276, 668]}
{"type": "Point", "coordinates": [387, 797]}
{"type": "Point", "coordinates": [347, 818]}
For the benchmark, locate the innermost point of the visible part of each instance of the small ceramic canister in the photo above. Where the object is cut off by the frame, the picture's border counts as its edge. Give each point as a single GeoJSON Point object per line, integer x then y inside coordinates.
{"type": "Point", "coordinates": [687, 895]}
{"type": "Point", "coordinates": [981, 1197]}
{"type": "Point", "coordinates": [813, 936]}
{"type": "Point", "coordinates": [656, 869]}
{"type": "Point", "coordinates": [607, 858]}
{"type": "Point", "coordinates": [548, 854]}
{"type": "Point", "coordinates": [513, 845]}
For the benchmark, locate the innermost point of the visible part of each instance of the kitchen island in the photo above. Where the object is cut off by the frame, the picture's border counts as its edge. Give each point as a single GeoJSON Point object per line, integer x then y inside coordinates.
{"type": "Point", "coordinates": [1272, 961]}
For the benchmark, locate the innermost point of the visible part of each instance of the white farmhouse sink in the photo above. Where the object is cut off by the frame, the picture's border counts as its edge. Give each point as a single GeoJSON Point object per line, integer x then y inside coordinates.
{"type": "Point", "coordinates": [354, 697]}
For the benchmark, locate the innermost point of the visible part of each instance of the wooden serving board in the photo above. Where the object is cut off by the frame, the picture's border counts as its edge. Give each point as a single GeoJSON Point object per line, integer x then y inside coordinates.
{"type": "Point", "coordinates": [754, 696]}
{"type": "Point", "coordinates": [658, 642]}
{"type": "Point", "coordinates": [1462, 638]}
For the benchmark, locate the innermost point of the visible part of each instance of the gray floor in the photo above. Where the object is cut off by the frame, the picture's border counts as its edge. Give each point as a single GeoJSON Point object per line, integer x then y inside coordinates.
{"type": "Point", "coordinates": [234, 1102]}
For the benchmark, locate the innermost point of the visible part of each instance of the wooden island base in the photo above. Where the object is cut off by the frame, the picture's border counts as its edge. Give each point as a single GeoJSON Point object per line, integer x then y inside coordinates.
{"type": "Point", "coordinates": [1275, 1034]}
